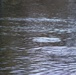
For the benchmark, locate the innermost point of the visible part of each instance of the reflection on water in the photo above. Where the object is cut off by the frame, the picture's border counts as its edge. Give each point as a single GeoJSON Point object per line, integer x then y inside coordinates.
{"type": "Point", "coordinates": [38, 37]}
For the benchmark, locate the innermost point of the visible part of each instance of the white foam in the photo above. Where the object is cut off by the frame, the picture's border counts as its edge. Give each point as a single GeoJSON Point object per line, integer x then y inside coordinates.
{"type": "Point", "coordinates": [46, 39]}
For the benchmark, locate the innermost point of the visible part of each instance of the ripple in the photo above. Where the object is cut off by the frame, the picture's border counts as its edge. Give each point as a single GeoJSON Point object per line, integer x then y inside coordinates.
{"type": "Point", "coordinates": [34, 19]}
{"type": "Point", "coordinates": [53, 60]}
{"type": "Point", "coordinates": [56, 53]}
{"type": "Point", "coordinates": [62, 50]}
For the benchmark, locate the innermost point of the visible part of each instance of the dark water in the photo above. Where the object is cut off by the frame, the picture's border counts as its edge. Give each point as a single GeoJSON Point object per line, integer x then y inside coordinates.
{"type": "Point", "coordinates": [38, 37]}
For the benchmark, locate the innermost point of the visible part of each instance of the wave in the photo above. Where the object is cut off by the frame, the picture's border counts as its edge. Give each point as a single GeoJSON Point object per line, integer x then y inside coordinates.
{"type": "Point", "coordinates": [35, 19]}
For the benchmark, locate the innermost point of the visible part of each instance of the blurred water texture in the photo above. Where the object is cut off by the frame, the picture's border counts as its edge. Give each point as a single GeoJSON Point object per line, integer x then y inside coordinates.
{"type": "Point", "coordinates": [38, 37]}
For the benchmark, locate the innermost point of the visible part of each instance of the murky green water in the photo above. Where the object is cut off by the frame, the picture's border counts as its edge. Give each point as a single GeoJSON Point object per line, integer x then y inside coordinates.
{"type": "Point", "coordinates": [38, 37]}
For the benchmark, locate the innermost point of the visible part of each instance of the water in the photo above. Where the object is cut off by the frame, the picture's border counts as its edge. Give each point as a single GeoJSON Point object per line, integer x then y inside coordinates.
{"type": "Point", "coordinates": [38, 37]}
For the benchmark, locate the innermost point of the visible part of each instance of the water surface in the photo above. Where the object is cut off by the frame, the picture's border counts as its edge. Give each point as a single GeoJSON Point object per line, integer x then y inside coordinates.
{"type": "Point", "coordinates": [38, 37]}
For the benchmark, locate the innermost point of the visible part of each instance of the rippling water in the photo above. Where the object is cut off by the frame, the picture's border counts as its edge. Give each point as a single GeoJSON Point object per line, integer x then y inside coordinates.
{"type": "Point", "coordinates": [38, 38]}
